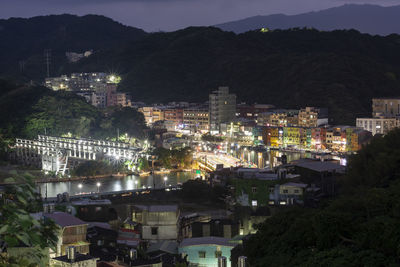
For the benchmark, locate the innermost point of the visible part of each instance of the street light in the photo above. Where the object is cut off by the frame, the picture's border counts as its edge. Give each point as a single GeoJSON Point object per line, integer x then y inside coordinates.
{"type": "Point", "coordinates": [165, 180]}
{"type": "Point", "coordinates": [98, 187]}
{"type": "Point", "coordinates": [80, 188]}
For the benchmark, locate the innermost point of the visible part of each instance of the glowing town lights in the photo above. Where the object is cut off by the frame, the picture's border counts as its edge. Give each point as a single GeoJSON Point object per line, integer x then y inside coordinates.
{"type": "Point", "coordinates": [98, 187]}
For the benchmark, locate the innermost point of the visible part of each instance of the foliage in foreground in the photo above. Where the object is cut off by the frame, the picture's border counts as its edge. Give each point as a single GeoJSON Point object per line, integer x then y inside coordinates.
{"type": "Point", "coordinates": [19, 229]}
{"type": "Point", "coordinates": [359, 228]}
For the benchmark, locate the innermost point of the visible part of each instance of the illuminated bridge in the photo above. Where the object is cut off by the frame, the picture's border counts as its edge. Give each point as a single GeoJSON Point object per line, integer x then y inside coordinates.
{"type": "Point", "coordinates": [53, 153]}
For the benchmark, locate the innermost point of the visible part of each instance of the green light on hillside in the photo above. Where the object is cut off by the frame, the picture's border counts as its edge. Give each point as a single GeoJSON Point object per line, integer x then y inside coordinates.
{"type": "Point", "coordinates": [113, 78]}
{"type": "Point", "coordinates": [264, 30]}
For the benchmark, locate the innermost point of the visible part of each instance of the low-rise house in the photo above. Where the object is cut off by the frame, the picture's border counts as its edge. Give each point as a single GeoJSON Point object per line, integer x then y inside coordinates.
{"type": "Point", "coordinates": [73, 259]}
{"type": "Point", "coordinates": [205, 251]}
{"type": "Point", "coordinates": [287, 194]}
{"type": "Point", "coordinates": [226, 228]}
{"type": "Point", "coordinates": [159, 222]}
{"type": "Point", "coordinates": [72, 232]}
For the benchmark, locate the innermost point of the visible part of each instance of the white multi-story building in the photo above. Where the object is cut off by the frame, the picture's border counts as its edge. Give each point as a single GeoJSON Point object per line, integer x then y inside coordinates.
{"type": "Point", "coordinates": [159, 222]}
{"type": "Point", "coordinates": [222, 108]}
{"type": "Point", "coordinates": [377, 125]}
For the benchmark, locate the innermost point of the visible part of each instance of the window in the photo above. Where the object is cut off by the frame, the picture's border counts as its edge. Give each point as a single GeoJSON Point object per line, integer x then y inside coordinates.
{"type": "Point", "coordinates": [202, 254]}
{"type": "Point", "coordinates": [297, 191]}
{"type": "Point", "coordinates": [154, 230]}
{"type": "Point", "coordinates": [271, 190]}
{"type": "Point", "coordinates": [254, 189]}
{"type": "Point", "coordinates": [285, 191]}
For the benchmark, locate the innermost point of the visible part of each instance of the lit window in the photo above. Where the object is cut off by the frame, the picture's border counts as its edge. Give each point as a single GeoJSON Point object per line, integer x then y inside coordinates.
{"type": "Point", "coordinates": [254, 203]}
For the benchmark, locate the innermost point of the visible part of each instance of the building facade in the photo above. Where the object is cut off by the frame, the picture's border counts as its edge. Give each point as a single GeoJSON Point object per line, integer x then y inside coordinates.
{"type": "Point", "coordinates": [196, 119]}
{"type": "Point", "coordinates": [158, 222]}
{"type": "Point", "coordinates": [377, 125]}
{"type": "Point", "coordinates": [222, 108]}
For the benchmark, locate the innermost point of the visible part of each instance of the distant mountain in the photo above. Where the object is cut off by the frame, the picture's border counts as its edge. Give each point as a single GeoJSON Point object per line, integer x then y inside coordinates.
{"type": "Point", "coordinates": [23, 41]}
{"type": "Point", "coordinates": [341, 70]}
{"type": "Point", "coordinates": [370, 19]}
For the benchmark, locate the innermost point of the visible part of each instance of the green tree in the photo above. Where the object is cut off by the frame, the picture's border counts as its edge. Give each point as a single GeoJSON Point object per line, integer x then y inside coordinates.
{"type": "Point", "coordinates": [18, 228]}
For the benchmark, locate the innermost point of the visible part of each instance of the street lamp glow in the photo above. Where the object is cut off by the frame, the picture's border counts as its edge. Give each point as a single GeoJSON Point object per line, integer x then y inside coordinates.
{"type": "Point", "coordinates": [136, 182]}
{"type": "Point", "coordinates": [80, 186]}
{"type": "Point", "coordinates": [117, 157]}
{"type": "Point", "coordinates": [98, 187]}
{"type": "Point", "coordinates": [165, 178]}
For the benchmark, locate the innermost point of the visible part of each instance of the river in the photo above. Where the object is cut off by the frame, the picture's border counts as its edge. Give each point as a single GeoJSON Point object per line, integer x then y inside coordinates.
{"type": "Point", "coordinates": [114, 184]}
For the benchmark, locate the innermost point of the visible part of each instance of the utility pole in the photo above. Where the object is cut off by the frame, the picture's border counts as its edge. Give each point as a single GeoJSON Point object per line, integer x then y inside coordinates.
{"type": "Point", "coordinates": [117, 134]}
{"type": "Point", "coordinates": [47, 57]}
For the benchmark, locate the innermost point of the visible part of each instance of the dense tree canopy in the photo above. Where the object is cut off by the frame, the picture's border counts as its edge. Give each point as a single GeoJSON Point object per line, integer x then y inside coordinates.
{"type": "Point", "coordinates": [359, 228]}
{"type": "Point", "coordinates": [31, 110]}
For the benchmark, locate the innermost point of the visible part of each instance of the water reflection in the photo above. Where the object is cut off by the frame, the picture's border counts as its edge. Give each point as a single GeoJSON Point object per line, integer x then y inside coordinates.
{"type": "Point", "coordinates": [112, 184]}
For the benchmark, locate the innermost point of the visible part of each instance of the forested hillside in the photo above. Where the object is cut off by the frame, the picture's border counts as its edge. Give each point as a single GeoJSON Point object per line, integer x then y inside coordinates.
{"type": "Point", "coordinates": [341, 70]}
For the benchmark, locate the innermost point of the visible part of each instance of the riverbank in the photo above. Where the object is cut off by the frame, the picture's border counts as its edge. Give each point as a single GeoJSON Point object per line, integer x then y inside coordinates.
{"type": "Point", "coordinates": [83, 178]}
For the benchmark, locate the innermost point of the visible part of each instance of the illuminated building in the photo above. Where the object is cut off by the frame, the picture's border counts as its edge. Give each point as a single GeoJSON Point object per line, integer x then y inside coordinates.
{"type": "Point", "coordinates": [158, 222]}
{"type": "Point", "coordinates": [222, 108]}
{"type": "Point", "coordinates": [385, 107]}
{"type": "Point", "coordinates": [205, 251]}
{"type": "Point", "coordinates": [174, 115]}
{"type": "Point", "coordinates": [291, 136]}
{"type": "Point", "coordinates": [308, 117]}
{"type": "Point", "coordinates": [278, 117]}
{"type": "Point", "coordinates": [152, 114]}
{"type": "Point", "coordinates": [251, 111]}
{"type": "Point", "coordinates": [377, 125]}
{"type": "Point", "coordinates": [196, 119]}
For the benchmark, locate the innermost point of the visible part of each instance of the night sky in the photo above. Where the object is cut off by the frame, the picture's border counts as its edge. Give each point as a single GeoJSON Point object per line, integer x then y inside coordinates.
{"type": "Point", "coordinates": [166, 15]}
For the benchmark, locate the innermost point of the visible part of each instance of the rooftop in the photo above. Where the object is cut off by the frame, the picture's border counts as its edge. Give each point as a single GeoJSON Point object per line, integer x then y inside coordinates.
{"type": "Point", "coordinates": [78, 257]}
{"type": "Point", "coordinates": [170, 247]}
{"type": "Point", "coordinates": [64, 219]}
{"type": "Point", "coordinates": [296, 185]}
{"type": "Point", "coordinates": [320, 166]}
{"type": "Point", "coordinates": [209, 240]}
{"type": "Point", "coordinates": [158, 208]}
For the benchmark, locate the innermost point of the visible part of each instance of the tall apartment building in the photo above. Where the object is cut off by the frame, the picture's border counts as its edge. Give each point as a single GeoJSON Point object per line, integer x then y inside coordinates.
{"type": "Point", "coordinates": [222, 108]}
{"type": "Point", "coordinates": [196, 119]}
{"type": "Point", "coordinates": [385, 107]}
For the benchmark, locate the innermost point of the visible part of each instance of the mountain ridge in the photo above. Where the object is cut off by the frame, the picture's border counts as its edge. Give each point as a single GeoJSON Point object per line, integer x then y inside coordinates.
{"type": "Point", "coordinates": [366, 18]}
